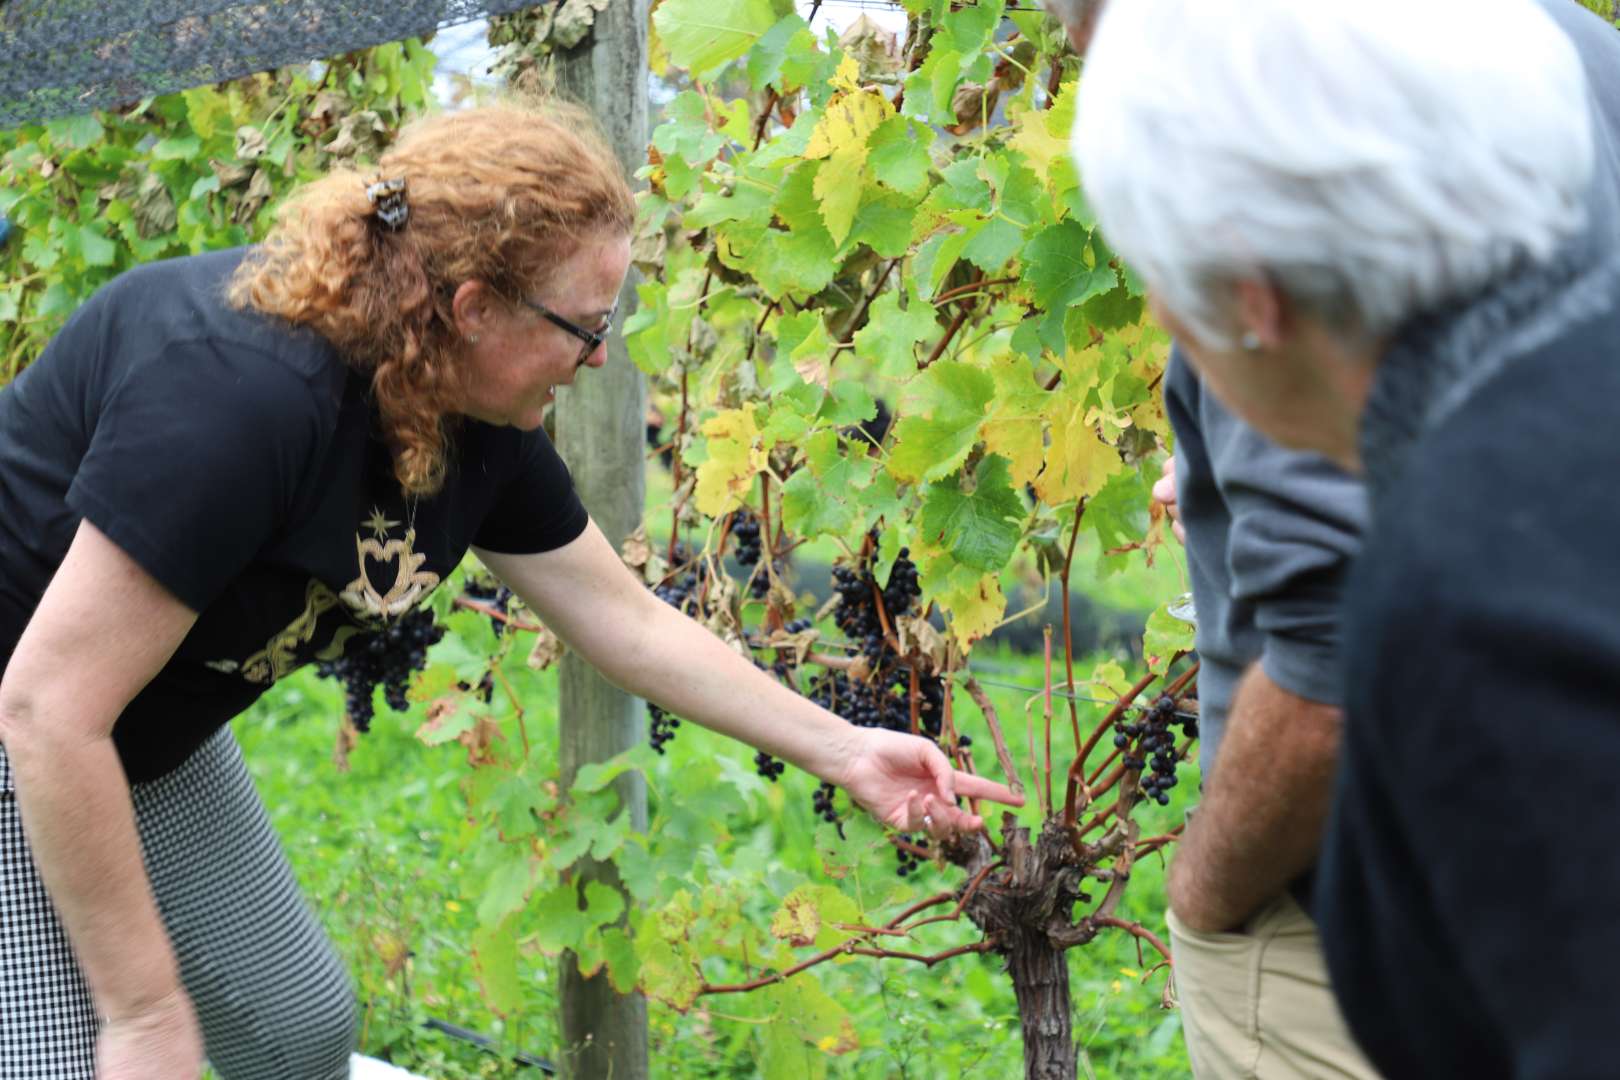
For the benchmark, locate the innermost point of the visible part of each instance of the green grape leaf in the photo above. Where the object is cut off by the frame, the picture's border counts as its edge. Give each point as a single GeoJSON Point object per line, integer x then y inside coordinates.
{"type": "Point", "coordinates": [701, 35]}
{"type": "Point", "coordinates": [993, 243]}
{"type": "Point", "coordinates": [890, 336]}
{"type": "Point", "coordinates": [685, 132]}
{"type": "Point", "coordinates": [623, 966]}
{"type": "Point", "coordinates": [507, 887]}
{"type": "Point", "coordinates": [75, 132]}
{"type": "Point", "coordinates": [810, 509]}
{"type": "Point", "coordinates": [494, 953]}
{"type": "Point", "coordinates": [971, 26]}
{"type": "Point", "coordinates": [979, 526]}
{"type": "Point", "coordinates": [800, 262]}
{"type": "Point", "coordinates": [952, 398]}
{"type": "Point", "coordinates": [1164, 637]}
{"type": "Point", "coordinates": [766, 58]}
{"type": "Point", "coordinates": [898, 154]}
{"type": "Point", "coordinates": [596, 776]}
{"type": "Point", "coordinates": [884, 223]}
{"type": "Point", "coordinates": [848, 402]}
{"type": "Point", "coordinates": [930, 88]}
{"type": "Point", "coordinates": [1055, 266]}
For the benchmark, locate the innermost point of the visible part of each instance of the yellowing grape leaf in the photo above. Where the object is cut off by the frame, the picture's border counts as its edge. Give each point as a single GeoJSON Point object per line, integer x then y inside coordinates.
{"type": "Point", "coordinates": [840, 137]}
{"type": "Point", "coordinates": [1078, 461]}
{"type": "Point", "coordinates": [735, 458]}
{"type": "Point", "coordinates": [1016, 427]}
{"type": "Point", "coordinates": [975, 604]}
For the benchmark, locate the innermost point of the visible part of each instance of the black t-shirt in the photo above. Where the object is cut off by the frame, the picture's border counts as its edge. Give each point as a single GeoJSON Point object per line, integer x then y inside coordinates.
{"type": "Point", "coordinates": [237, 461]}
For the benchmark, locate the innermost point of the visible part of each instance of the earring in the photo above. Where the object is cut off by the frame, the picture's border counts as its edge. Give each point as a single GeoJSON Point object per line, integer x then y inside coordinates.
{"type": "Point", "coordinates": [1250, 341]}
{"type": "Point", "coordinates": [472, 339]}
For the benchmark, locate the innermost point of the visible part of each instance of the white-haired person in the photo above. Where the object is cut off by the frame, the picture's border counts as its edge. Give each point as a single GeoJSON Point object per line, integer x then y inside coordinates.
{"type": "Point", "coordinates": [1389, 231]}
{"type": "Point", "coordinates": [1270, 533]}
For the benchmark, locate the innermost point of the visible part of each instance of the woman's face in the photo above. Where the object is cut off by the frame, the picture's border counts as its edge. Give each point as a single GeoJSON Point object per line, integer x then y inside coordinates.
{"type": "Point", "coordinates": [520, 357]}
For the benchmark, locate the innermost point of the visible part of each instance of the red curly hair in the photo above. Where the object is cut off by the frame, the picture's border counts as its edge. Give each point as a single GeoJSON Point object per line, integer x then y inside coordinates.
{"type": "Point", "coordinates": [499, 194]}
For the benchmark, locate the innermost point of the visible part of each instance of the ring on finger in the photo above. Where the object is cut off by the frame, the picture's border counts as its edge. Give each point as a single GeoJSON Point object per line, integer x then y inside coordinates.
{"type": "Point", "coordinates": [928, 821]}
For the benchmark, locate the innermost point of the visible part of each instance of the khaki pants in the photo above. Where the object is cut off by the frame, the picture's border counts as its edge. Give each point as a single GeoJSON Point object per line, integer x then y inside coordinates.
{"type": "Point", "coordinates": [1256, 1005]}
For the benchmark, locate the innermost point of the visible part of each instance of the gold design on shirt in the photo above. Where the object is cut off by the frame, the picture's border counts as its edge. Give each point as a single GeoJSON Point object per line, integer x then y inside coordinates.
{"type": "Point", "coordinates": [410, 583]}
{"type": "Point", "coordinates": [379, 524]}
{"type": "Point", "coordinates": [279, 656]}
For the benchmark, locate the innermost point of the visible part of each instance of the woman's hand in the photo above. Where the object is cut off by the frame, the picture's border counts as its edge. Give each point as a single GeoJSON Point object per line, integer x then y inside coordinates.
{"type": "Point", "coordinates": [161, 1042]}
{"type": "Point", "coordinates": [907, 783]}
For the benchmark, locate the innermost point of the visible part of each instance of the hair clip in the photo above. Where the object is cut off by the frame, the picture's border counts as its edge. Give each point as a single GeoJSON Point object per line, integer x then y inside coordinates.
{"type": "Point", "coordinates": [388, 201]}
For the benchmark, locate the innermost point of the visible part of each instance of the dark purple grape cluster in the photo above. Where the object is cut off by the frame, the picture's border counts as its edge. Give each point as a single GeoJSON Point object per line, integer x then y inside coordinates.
{"type": "Point", "coordinates": [492, 595]}
{"type": "Point", "coordinates": [385, 657]}
{"type": "Point", "coordinates": [745, 530]}
{"type": "Point", "coordinates": [681, 592]}
{"type": "Point", "coordinates": [909, 861]}
{"type": "Point", "coordinates": [823, 803]}
{"type": "Point", "coordinates": [660, 726]}
{"type": "Point", "coordinates": [857, 614]}
{"type": "Point", "coordinates": [1149, 743]}
{"type": "Point", "coordinates": [768, 767]}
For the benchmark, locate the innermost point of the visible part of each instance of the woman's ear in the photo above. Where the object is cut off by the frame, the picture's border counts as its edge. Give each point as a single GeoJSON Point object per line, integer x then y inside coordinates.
{"type": "Point", "coordinates": [472, 307]}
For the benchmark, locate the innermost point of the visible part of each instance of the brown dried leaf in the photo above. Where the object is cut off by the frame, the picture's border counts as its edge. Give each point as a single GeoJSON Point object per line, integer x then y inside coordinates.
{"type": "Point", "coordinates": [574, 20]}
{"type": "Point", "coordinates": [258, 193]}
{"type": "Point", "coordinates": [229, 172]}
{"type": "Point", "coordinates": [801, 643]}
{"type": "Point", "coordinates": [480, 740]}
{"type": "Point", "coordinates": [548, 649]}
{"type": "Point", "coordinates": [636, 551]}
{"type": "Point", "coordinates": [250, 143]}
{"type": "Point", "coordinates": [154, 208]}
{"type": "Point", "coordinates": [915, 634]}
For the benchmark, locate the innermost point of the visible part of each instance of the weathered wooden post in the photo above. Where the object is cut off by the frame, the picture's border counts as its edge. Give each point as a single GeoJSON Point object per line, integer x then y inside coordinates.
{"type": "Point", "coordinates": [601, 428]}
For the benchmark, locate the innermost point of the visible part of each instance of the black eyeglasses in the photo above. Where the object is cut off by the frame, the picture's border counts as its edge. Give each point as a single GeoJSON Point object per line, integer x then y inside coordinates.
{"type": "Point", "coordinates": [592, 338]}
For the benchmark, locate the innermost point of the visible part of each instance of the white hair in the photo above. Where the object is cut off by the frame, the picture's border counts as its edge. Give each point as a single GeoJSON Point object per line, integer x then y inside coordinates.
{"type": "Point", "coordinates": [1370, 158]}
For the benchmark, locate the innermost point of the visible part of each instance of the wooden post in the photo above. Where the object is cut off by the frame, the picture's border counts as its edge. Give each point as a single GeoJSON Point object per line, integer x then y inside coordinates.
{"type": "Point", "coordinates": [601, 433]}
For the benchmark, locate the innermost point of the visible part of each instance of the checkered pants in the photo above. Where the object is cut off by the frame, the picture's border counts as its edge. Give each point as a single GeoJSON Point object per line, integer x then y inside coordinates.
{"type": "Point", "coordinates": [271, 995]}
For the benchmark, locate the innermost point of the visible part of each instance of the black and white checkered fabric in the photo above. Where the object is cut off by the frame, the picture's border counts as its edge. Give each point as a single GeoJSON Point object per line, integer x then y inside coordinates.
{"type": "Point", "coordinates": [271, 995]}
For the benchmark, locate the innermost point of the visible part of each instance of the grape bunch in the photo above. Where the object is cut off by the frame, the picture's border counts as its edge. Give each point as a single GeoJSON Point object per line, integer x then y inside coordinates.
{"type": "Point", "coordinates": [857, 613]}
{"type": "Point", "coordinates": [909, 861]}
{"type": "Point", "coordinates": [823, 803]}
{"type": "Point", "coordinates": [1155, 746]}
{"type": "Point", "coordinates": [387, 657]}
{"type": "Point", "coordinates": [497, 597]}
{"type": "Point", "coordinates": [745, 530]}
{"type": "Point", "coordinates": [660, 726]}
{"type": "Point", "coordinates": [768, 767]}
{"type": "Point", "coordinates": [680, 592]}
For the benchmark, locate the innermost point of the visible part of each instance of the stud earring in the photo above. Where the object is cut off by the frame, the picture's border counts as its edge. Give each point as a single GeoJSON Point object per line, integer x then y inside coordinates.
{"type": "Point", "coordinates": [1250, 342]}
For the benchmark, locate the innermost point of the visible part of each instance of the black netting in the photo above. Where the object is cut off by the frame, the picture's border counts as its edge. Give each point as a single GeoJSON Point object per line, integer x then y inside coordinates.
{"type": "Point", "coordinates": [59, 57]}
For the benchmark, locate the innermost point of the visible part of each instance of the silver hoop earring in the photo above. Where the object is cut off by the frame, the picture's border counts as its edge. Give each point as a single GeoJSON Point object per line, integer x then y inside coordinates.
{"type": "Point", "coordinates": [1250, 342]}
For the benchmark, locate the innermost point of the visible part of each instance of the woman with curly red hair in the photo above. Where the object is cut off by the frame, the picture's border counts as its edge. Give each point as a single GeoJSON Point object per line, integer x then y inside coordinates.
{"type": "Point", "coordinates": [227, 465]}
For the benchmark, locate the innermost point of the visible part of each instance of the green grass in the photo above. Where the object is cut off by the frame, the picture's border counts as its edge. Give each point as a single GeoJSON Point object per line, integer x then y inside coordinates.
{"type": "Point", "coordinates": [381, 852]}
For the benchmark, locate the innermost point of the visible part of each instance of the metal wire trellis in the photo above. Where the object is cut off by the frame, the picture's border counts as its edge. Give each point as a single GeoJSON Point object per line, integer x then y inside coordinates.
{"type": "Point", "coordinates": [63, 58]}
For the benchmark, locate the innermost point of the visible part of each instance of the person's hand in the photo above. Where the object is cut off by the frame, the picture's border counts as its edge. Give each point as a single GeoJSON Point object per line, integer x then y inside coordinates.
{"type": "Point", "coordinates": [1164, 493]}
{"type": "Point", "coordinates": [160, 1042]}
{"type": "Point", "coordinates": [907, 783]}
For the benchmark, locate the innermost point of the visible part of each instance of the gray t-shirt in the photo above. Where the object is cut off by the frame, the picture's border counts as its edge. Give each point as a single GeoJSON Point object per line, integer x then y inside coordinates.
{"type": "Point", "coordinates": [1271, 533]}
